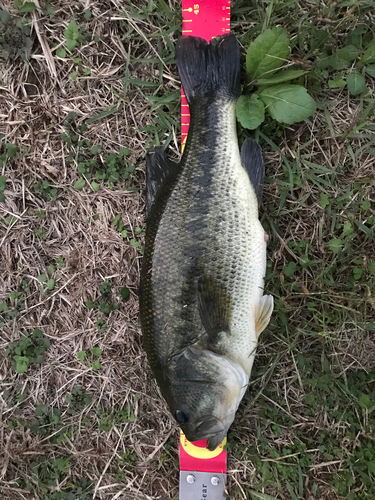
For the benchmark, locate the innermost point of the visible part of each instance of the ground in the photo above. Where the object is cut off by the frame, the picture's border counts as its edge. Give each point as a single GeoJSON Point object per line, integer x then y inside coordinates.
{"type": "Point", "coordinates": [81, 416]}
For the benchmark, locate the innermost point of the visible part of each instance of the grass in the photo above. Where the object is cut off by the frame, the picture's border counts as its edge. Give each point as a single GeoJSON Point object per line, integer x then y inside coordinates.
{"type": "Point", "coordinates": [82, 417]}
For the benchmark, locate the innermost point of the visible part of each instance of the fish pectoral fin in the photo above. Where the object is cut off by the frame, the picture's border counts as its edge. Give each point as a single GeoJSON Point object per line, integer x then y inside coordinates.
{"type": "Point", "coordinates": [158, 168]}
{"type": "Point", "coordinates": [252, 161]}
{"type": "Point", "coordinates": [215, 306]}
{"type": "Point", "coordinates": [263, 313]}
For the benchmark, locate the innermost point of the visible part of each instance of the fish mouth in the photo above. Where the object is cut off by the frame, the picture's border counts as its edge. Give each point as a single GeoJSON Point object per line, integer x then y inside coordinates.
{"type": "Point", "coordinates": [212, 429]}
{"type": "Point", "coordinates": [214, 441]}
{"type": "Point", "coordinates": [209, 426]}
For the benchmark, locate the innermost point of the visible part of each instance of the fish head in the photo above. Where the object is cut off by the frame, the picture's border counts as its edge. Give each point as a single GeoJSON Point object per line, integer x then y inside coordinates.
{"type": "Point", "coordinates": [203, 393]}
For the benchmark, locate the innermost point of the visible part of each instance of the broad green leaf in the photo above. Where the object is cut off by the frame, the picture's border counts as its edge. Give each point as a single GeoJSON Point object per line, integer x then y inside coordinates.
{"type": "Point", "coordinates": [309, 398]}
{"type": "Point", "coordinates": [281, 76]}
{"type": "Point", "coordinates": [366, 205]}
{"type": "Point", "coordinates": [124, 292]}
{"type": "Point", "coordinates": [340, 59]}
{"type": "Point", "coordinates": [38, 360]}
{"type": "Point", "coordinates": [50, 284]}
{"type": "Point", "coordinates": [357, 273]}
{"type": "Point", "coordinates": [41, 410]}
{"type": "Point", "coordinates": [25, 7]}
{"type": "Point", "coordinates": [347, 53]}
{"type": "Point", "coordinates": [61, 53]}
{"type": "Point", "coordinates": [81, 355]}
{"type": "Point", "coordinates": [42, 278]}
{"type": "Point", "coordinates": [343, 57]}
{"type": "Point", "coordinates": [95, 149]}
{"type": "Point", "coordinates": [49, 10]}
{"type": "Point", "coordinates": [4, 16]}
{"type": "Point", "coordinates": [81, 167]}
{"type": "Point", "coordinates": [335, 245]}
{"type": "Point", "coordinates": [324, 201]}
{"type": "Point", "coordinates": [356, 83]}
{"type": "Point", "coordinates": [325, 61]}
{"type": "Point", "coordinates": [288, 103]}
{"type": "Point", "coordinates": [28, 7]}
{"type": "Point", "coordinates": [369, 55]}
{"type": "Point", "coordinates": [134, 243]}
{"type": "Point", "coordinates": [124, 152]}
{"type": "Point", "coordinates": [21, 363]}
{"type": "Point", "coordinates": [370, 70]}
{"type": "Point", "coordinates": [79, 184]}
{"type": "Point", "coordinates": [355, 36]}
{"type": "Point", "coordinates": [290, 269]}
{"type": "Point", "coordinates": [250, 111]}
{"type": "Point", "coordinates": [70, 44]}
{"type": "Point", "coordinates": [337, 83]}
{"type": "Point", "coordinates": [268, 52]}
{"type": "Point", "coordinates": [96, 365]}
{"type": "Point", "coordinates": [96, 351]}
{"type": "Point", "coordinates": [72, 30]}
{"type": "Point", "coordinates": [95, 186]}
{"type": "Point", "coordinates": [366, 403]}
{"type": "Point", "coordinates": [11, 150]}
{"type": "Point", "coordinates": [2, 197]}
{"type": "Point", "coordinates": [72, 35]}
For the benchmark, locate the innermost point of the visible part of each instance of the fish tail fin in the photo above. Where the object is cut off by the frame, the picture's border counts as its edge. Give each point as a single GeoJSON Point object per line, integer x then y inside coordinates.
{"type": "Point", "coordinates": [209, 69]}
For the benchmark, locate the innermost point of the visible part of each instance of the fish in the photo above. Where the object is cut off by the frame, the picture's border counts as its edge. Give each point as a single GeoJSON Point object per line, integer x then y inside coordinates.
{"type": "Point", "coordinates": [201, 299]}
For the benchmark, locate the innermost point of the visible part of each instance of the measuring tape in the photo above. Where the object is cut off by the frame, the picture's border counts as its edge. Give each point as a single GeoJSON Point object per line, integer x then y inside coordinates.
{"type": "Point", "coordinates": [202, 472]}
{"type": "Point", "coordinates": [206, 19]}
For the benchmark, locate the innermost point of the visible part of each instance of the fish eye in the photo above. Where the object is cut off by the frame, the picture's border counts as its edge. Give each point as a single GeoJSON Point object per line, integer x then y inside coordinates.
{"type": "Point", "coordinates": [180, 416]}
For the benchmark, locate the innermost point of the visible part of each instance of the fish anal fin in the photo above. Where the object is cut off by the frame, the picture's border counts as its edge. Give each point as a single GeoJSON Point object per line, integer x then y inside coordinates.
{"type": "Point", "coordinates": [252, 161]}
{"type": "Point", "coordinates": [215, 307]}
{"type": "Point", "coordinates": [263, 313]}
{"type": "Point", "coordinates": [158, 168]}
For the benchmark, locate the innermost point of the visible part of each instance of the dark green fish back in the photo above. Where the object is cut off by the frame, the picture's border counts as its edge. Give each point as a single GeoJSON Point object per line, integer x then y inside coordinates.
{"type": "Point", "coordinates": [168, 292]}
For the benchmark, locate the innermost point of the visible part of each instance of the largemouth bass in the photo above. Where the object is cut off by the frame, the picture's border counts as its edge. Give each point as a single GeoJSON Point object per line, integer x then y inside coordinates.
{"type": "Point", "coordinates": [201, 296]}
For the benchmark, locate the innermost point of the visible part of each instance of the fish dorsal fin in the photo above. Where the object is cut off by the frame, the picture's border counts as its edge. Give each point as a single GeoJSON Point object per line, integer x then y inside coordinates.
{"type": "Point", "coordinates": [158, 168]}
{"type": "Point", "coordinates": [215, 306]}
{"type": "Point", "coordinates": [263, 313]}
{"type": "Point", "coordinates": [252, 161]}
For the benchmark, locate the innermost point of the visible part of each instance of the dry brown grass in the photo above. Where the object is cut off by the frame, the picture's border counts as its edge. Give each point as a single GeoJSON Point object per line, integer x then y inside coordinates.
{"type": "Point", "coordinates": [34, 101]}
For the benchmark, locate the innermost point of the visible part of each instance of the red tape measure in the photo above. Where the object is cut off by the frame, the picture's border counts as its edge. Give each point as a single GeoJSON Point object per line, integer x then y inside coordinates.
{"type": "Point", "coordinates": [206, 19]}
{"type": "Point", "coordinates": [202, 472]}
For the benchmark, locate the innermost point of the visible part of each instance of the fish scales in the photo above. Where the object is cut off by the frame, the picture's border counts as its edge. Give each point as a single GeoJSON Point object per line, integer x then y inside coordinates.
{"type": "Point", "coordinates": [209, 226]}
{"type": "Point", "coordinates": [205, 251]}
